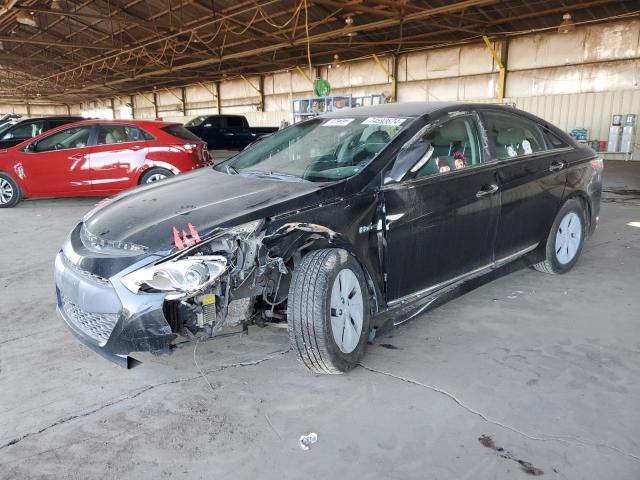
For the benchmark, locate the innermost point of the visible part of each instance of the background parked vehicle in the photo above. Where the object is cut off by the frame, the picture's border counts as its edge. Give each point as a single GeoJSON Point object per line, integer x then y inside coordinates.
{"type": "Point", "coordinates": [97, 157]}
{"type": "Point", "coordinates": [229, 132]}
{"type": "Point", "coordinates": [16, 131]}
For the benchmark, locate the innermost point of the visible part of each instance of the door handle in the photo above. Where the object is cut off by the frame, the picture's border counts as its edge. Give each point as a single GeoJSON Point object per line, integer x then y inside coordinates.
{"type": "Point", "coordinates": [136, 147]}
{"type": "Point", "coordinates": [487, 190]}
{"type": "Point", "coordinates": [77, 156]}
{"type": "Point", "coordinates": [556, 166]}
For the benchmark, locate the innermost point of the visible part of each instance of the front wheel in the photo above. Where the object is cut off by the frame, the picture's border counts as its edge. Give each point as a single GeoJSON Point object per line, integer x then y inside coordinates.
{"type": "Point", "coordinates": [565, 240]}
{"type": "Point", "coordinates": [10, 193]}
{"type": "Point", "coordinates": [328, 311]}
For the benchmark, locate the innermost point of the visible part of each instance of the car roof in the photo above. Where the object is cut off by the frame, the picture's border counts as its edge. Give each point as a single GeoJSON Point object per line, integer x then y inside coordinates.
{"type": "Point", "coordinates": [57, 117]}
{"type": "Point", "coordinates": [415, 109]}
{"type": "Point", "coordinates": [406, 109]}
{"type": "Point", "coordinates": [140, 123]}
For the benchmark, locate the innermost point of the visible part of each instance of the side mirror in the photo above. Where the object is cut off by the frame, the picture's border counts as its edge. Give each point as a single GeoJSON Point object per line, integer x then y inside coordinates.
{"type": "Point", "coordinates": [409, 159]}
{"type": "Point", "coordinates": [32, 147]}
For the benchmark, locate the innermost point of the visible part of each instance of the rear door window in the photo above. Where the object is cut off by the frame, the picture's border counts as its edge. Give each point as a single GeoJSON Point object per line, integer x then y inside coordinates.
{"type": "Point", "coordinates": [513, 136]}
{"type": "Point", "coordinates": [213, 122]}
{"type": "Point", "coordinates": [180, 132]}
{"type": "Point", "coordinates": [110, 134]}
{"type": "Point", "coordinates": [235, 122]}
{"type": "Point", "coordinates": [554, 141]}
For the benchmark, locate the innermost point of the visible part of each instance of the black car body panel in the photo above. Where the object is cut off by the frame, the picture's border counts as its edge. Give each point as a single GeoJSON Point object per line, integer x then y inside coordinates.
{"type": "Point", "coordinates": [229, 132]}
{"type": "Point", "coordinates": [25, 129]}
{"type": "Point", "coordinates": [415, 239]}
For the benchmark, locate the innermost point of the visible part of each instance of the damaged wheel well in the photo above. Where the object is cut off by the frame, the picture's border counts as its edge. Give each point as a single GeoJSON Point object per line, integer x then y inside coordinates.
{"type": "Point", "coordinates": [293, 241]}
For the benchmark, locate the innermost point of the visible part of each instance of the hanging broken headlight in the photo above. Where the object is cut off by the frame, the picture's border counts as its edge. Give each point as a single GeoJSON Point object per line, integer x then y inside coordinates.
{"type": "Point", "coordinates": [186, 276]}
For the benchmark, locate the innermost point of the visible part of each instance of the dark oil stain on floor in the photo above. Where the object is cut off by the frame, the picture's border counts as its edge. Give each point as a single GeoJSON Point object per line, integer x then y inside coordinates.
{"type": "Point", "coordinates": [388, 346]}
{"type": "Point", "coordinates": [527, 467]}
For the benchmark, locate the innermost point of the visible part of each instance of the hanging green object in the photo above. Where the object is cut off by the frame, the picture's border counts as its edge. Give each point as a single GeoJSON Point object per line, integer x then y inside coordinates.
{"type": "Point", "coordinates": [321, 87]}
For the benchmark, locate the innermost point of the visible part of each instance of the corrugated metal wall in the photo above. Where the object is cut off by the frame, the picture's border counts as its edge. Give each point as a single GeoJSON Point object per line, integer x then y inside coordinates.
{"type": "Point", "coordinates": [581, 110]}
{"type": "Point", "coordinates": [575, 80]}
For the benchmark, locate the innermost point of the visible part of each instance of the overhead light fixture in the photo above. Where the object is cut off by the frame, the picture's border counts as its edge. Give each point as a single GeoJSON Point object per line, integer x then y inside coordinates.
{"type": "Point", "coordinates": [336, 61]}
{"type": "Point", "coordinates": [567, 24]}
{"type": "Point", "coordinates": [349, 23]}
{"type": "Point", "coordinates": [26, 18]}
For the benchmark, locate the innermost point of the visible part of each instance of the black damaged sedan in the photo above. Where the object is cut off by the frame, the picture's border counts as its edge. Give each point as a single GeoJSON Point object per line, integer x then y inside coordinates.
{"type": "Point", "coordinates": [338, 226]}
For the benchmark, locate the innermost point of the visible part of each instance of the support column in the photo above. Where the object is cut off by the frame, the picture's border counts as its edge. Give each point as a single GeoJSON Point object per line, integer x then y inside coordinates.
{"type": "Point", "coordinates": [501, 62]}
{"type": "Point", "coordinates": [261, 89]}
{"type": "Point", "coordinates": [155, 104]}
{"type": "Point", "coordinates": [218, 102]}
{"type": "Point", "coordinates": [390, 76]}
{"type": "Point", "coordinates": [133, 112]}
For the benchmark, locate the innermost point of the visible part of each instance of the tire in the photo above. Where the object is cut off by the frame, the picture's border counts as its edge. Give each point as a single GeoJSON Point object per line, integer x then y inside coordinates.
{"type": "Point", "coordinates": [563, 247]}
{"type": "Point", "coordinates": [155, 175]}
{"type": "Point", "coordinates": [10, 193]}
{"type": "Point", "coordinates": [313, 322]}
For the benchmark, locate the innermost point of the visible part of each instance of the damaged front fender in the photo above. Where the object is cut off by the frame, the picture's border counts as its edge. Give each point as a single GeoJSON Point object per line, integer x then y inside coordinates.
{"type": "Point", "coordinates": [296, 236]}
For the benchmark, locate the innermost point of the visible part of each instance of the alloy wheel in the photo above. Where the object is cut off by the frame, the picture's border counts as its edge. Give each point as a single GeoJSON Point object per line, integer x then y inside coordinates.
{"type": "Point", "coordinates": [6, 191]}
{"type": "Point", "coordinates": [347, 311]}
{"type": "Point", "coordinates": [568, 238]}
{"type": "Point", "coordinates": [156, 177]}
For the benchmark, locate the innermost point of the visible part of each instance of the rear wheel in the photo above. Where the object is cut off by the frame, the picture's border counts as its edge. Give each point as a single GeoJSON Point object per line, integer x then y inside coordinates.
{"type": "Point", "coordinates": [565, 240]}
{"type": "Point", "coordinates": [328, 311]}
{"type": "Point", "coordinates": [155, 175]}
{"type": "Point", "coordinates": [10, 193]}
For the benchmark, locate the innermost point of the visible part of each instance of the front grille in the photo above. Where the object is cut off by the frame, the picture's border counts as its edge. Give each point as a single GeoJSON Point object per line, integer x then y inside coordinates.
{"type": "Point", "coordinates": [96, 325]}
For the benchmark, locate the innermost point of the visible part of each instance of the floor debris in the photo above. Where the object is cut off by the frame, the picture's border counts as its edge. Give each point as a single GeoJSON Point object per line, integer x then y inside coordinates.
{"type": "Point", "coordinates": [307, 440]}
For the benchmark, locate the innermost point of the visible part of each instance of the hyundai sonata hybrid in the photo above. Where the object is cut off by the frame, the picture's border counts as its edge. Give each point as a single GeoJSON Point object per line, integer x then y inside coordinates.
{"type": "Point", "coordinates": [339, 226]}
{"type": "Point", "coordinates": [97, 158]}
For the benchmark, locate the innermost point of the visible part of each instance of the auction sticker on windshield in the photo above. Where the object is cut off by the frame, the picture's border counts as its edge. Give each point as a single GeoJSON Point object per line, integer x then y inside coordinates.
{"type": "Point", "coordinates": [338, 122]}
{"type": "Point", "coordinates": [388, 121]}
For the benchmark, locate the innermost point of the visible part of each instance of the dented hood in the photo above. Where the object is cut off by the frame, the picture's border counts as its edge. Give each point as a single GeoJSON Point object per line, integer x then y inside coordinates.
{"type": "Point", "coordinates": [205, 199]}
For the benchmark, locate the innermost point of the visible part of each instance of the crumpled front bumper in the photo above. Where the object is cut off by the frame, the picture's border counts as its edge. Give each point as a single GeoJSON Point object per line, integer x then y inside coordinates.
{"type": "Point", "coordinates": [106, 316]}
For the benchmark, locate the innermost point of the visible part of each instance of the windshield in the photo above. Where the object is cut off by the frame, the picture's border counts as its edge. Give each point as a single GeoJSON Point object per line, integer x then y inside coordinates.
{"type": "Point", "coordinates": [318, 150]}
{"type": "Point", "coordinates": [194, 122]}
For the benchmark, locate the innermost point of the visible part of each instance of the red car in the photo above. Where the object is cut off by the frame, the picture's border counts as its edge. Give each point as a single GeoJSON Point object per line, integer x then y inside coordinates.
{"type": "Point", "coordinates": [97, 158]}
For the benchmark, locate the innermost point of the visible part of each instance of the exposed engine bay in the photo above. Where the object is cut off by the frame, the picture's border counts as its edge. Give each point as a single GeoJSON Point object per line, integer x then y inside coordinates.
{"type": "Point", "coordinates": [228, 279]}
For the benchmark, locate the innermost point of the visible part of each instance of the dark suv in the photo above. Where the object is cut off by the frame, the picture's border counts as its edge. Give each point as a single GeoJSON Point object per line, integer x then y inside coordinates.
{"type": "Point", "coordinates": [14, 132]}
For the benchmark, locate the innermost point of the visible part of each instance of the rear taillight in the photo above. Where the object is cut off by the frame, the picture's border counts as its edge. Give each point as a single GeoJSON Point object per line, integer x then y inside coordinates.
{"type": "Point", "coordinates": [189, 147]}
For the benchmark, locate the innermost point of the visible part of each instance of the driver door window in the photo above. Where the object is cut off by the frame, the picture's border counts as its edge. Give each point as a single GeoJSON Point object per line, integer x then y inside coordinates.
{"type": "Point", "coordinates": [455, 146]}
{"type": "Point", "coordinates": [74, 137]}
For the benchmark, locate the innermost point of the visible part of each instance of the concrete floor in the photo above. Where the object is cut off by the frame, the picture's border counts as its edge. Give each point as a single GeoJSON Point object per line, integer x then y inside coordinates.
{"type": "Point", "coordinates": [546, 368]}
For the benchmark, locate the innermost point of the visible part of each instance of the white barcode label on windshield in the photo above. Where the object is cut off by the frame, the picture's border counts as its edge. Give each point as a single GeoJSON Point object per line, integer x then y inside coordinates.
{"type": "Point", "coordinates": [338, 122]}
{"type": "Point", "coordinates": [387, 121]}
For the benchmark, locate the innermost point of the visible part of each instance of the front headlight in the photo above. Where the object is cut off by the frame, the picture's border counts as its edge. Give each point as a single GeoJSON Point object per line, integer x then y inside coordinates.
{"type": "Point", "coordinates": [188, 275]}
{"type": "Point", "coordinates": [97, 244]}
